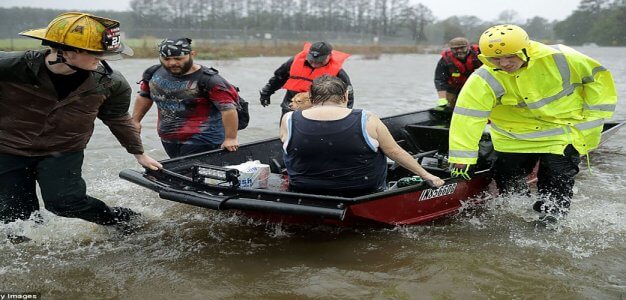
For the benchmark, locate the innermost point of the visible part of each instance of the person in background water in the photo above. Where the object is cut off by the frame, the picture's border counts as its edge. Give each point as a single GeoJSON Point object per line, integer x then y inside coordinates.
{"type": "Point", "coordinates": [50, 99]}
{"type": "Point", "coordinates": [546, 104]}
{"type": "Point", "coordinates": [332, 149]}
{"type": "Point", "coordinates": [456, 64]}
{"type": "Point", "coordinates": [196, 106]}
{"type": "Point", "coordinates": [297, 73]}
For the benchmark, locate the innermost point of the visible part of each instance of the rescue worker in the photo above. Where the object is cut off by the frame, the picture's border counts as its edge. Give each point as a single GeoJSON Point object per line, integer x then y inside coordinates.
{"type": "Point", "coordinates": [297, 73]}
{"type": "Point", "coordinates": [48, 104]}
{"type": "Point", "coordinates": [456, 64]}
{"type": "Point", "coordinates": [546, 104]}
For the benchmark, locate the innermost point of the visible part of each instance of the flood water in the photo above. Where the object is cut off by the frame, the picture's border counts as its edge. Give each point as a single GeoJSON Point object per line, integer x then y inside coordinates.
{"type": "Point", "coordinates": [188, 252]}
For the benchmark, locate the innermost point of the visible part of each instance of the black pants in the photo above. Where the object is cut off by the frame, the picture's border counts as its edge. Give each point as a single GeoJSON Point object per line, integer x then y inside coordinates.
{"type": "Point", "coordinates": [178, 149]}
{"type": "Point", "coordinates": [63, 190]}
{"type": "Point", "coordinates": [555, 178]}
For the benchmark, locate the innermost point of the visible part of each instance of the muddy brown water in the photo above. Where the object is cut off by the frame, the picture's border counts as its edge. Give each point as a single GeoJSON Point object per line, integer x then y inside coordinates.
{"type": "Point", "coordinates": [188, 252]}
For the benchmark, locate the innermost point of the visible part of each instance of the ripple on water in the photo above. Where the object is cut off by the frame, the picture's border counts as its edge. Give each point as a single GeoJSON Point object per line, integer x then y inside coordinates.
{"type": "Point", "coordinates": [488, 251]}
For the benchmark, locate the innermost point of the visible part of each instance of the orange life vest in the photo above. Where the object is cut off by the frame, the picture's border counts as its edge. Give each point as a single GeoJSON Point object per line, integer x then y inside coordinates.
{"type": "Point", "coordinates": [461, 71]}
{"type": "Point", "coordinates": [301, 75]}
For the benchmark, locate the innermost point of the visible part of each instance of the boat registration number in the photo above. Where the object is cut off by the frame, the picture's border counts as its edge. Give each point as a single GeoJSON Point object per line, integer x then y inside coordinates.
{"type": "Point", "coordinates": [447, 189]}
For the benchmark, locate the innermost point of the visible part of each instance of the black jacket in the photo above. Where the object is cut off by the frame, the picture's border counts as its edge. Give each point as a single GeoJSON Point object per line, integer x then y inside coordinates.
{"type": "Point", "coordinates": [443, 73]}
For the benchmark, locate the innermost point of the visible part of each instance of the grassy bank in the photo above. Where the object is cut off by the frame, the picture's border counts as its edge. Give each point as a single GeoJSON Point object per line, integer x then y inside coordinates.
{"type": "Point", "coordinates": [146, 48]}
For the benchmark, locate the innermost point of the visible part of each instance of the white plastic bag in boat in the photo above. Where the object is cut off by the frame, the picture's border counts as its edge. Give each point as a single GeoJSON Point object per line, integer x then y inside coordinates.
{"type": "Point", "coordinates": [253, 174]}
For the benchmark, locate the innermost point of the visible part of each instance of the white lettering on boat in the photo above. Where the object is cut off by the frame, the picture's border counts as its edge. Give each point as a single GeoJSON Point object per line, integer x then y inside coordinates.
{"type": "Point", "coordinates": [447, 189]}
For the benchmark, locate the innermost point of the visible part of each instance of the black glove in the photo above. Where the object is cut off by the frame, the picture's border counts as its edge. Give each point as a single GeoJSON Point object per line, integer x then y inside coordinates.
{"type": "Point", "coordinates": [265, 99]}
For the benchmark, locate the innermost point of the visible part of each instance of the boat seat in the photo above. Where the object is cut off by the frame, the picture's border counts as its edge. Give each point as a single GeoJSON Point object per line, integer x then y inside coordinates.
{"type": "Point", "coordinates": [427, 138]}
{"type": "Point", "coordinates": [406, 143]}
{"type": "Point", "coordinates": [277, 167]}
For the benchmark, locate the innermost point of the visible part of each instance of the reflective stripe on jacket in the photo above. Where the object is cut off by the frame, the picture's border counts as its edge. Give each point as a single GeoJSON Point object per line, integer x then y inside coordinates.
{"type": "Point", "coordinates": [302, 75]}
{"type": "Point", "coordinates": [561, 97]}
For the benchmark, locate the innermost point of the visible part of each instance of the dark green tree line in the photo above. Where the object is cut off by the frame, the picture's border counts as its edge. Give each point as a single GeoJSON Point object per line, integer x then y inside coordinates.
{"type": "Point", "coordinates": [597, 21]}
{"type": "Point", "coordinates": [378, 17]}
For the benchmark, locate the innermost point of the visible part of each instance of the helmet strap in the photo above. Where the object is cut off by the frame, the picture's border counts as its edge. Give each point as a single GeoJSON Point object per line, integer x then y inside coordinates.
{"type": "Point", "coordinates": [526, 54]}
{"type": "Point", "coordinates": [107, 69]}
{"type": "Point", "coordinates": [74, 67]}
{"type": "Point", "coordinates": [60, 59]}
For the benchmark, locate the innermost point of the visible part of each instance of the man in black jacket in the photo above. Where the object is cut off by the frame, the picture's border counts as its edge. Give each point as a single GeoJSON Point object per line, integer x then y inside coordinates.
{"type": "Point", "coordinates": [297, 73]}
{"type": "Point", "coordinates": [49, 101]}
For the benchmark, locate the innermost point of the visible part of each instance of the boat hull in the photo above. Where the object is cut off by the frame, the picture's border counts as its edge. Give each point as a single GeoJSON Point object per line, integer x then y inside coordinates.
{"type": "Point", "coordinates": [423, 134]}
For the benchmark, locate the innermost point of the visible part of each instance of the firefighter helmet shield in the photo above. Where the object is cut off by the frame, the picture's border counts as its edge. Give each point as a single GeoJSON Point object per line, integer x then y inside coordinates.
{"type": "Point", "coordinates": [100, 36]}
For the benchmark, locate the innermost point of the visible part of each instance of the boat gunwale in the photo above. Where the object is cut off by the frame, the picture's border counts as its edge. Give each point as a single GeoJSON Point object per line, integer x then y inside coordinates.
{"type": "Point", "coordinates": [275, 201]}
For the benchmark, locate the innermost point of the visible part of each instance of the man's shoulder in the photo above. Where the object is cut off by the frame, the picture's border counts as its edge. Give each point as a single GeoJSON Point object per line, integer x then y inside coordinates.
{"type": "Point", "coordinates": [212, 77]}
{"type": "Point", "coordinates": [209, 70]}
{"type": "Point", "coordinates": [288, 62]}
{"type": "Point", "coordinates": [13, 58]}
{"type": "Point", "coordinates": [28, 54]}
{"type": "Point", "coordinates": [117, 76]}
{"type": "Point", "coordinates": [151, 70]}
{"type": "Point", "coordinates": [572, 53]}
{"type": "Point", "coordinates": [11, 55]}
{"type": "Point", "coordinates": [343, 75]}
{"type": "Point", "coordinates": [115, 82]}
{"type": "Point", "coordinates": [20, 65]}
{"type": "Point", "coordinates": [368, 114]}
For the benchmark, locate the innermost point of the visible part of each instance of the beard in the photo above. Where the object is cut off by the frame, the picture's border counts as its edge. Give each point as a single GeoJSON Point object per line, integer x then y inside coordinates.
{"type": "Point", "coordinates": [182, 70]}
{"type": "Point", "coordinates": [461, 55]}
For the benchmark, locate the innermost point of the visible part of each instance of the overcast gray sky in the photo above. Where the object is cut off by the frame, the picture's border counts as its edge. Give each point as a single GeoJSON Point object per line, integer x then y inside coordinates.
{"type": "Point", "coordinates": [485, 9]}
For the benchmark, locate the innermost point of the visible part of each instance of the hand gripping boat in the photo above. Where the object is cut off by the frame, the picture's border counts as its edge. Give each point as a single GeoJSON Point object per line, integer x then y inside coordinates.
{"type": "Point", "coordinates": [202, 180]}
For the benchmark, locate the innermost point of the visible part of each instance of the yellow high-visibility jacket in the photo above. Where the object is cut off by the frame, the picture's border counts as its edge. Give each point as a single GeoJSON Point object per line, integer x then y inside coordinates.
{"type": "Point", "coordinates": [561, 97]}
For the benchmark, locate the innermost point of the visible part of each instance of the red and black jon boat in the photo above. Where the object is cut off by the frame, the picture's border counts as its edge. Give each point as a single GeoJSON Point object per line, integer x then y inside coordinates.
{"type": "Point", "coordinates": [202, 180]}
